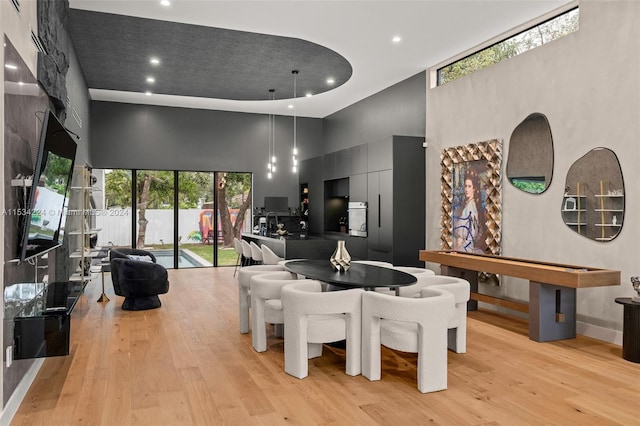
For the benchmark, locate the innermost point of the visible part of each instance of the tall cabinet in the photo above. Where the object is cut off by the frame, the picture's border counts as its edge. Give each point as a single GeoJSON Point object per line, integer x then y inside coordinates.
{"type": "Point", "coordinates": [396, 198]}
{"type": "Point", "coordinates": [389, 175]}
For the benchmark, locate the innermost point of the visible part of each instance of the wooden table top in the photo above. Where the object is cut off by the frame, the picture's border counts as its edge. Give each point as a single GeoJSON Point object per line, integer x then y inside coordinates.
{"type": "Point", "coordinates": [544, 272]}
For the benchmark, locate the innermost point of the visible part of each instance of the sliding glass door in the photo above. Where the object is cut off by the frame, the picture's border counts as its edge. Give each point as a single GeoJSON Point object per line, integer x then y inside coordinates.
{"type": "Point", "coordinates": [196, 227]}
{"type": "Point", "coordinates": [233, 199]}
{"type": "Point", "coordinates": [187, 219]}
{"type": "Point", "coordinates": [154, 195]}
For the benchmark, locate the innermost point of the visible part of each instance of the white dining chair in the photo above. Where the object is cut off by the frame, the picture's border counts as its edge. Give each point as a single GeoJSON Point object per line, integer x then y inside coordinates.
{"type": "Point", "coordinates": [416, 272]}
{"type": "Point", "coordinates": [246, 252]}
{"type": "Point", "coordinates": [312, 318]}
{"type": "Point", "coordinates": [256, 253]}
{"type": "Point", "coordinates": [244, 285]}
{"type": "Point", "coordinates": [408, 325]}
{"type": "Point", "coordinates": [269, 257]}
{"type": "Point", "coordinates": [237, 245]}
{"type": "Point", "coordinates": [461, 290]}
{"type": "Point", "coordinates": [266, 305]}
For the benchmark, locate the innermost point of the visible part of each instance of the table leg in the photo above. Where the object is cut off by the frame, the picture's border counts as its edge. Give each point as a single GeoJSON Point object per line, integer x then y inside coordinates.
{"type": "Point", "coordinates": [552, 312]}
{"type": "Point", "coordinates": [103, 297]}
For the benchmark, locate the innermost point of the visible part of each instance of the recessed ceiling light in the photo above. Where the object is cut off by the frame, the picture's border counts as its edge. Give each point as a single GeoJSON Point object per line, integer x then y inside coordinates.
{"type": "Point", "coordinates": [147, 93]}
{"type": "Point", "coordinates": [165, 2]}
{"type": "Point", "coordinates": [290, 106]}
{"type": "Point", "coordinates": [330, 81]}
{"type": "Point", "coordinates": [308, 95]}
{"type": "Point", "coordinates": [20, 83]}
{"type": "Point", "coordinates": [151, 79]}
{"type": "Point", "coordinates": [11, 66]}
{"type": "Point", "coordinates": [396, 39]}
{"type": "Point", "coordinates": [154, 61]}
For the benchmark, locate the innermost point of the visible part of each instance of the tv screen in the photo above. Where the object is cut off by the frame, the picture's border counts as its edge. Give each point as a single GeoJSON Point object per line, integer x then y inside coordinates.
{"type": "Point", "coordinates": [276, 204]}
{"type": "Point", "coordinates": [45, 212]}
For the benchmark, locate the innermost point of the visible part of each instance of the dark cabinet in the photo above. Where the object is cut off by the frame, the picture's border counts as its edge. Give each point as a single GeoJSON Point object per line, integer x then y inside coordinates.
{"type": "Point", "coordinates": [345, 163]}
{"type": "Point", "coordinates": [387, 174]}
{"type": "Point", "coordinates": [329, 166]}
{"type": "Point", "coordinates": [42, 317]}
{"type": "Point", "coordinates": [311, 172]}
{"type": "Point", "coordinates": [396, 197]}
{"type": "Point", "coordinates": [380, 221]}
{"type": "Point", "coordinates": [380, 155]}
{"type": "Point", "coordinates": [358, 187]}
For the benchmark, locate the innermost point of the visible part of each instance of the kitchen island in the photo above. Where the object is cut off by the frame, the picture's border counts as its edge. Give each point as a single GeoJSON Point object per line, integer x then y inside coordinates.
{"type": "Point", "coordinates": [295, 246]}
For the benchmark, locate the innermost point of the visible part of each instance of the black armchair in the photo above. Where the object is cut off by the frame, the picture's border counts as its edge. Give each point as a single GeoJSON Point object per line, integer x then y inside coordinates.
{"type": "Point", "coordinates": [138, 281]}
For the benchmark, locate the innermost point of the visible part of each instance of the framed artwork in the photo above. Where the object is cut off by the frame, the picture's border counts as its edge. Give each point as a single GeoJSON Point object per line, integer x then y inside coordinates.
{"type": "Point", "coordinates": [471, 197]}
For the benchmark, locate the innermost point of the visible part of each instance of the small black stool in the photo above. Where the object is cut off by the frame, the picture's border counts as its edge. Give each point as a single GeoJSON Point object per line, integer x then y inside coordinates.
{"type": "Point", "coordinates": [630, 329]}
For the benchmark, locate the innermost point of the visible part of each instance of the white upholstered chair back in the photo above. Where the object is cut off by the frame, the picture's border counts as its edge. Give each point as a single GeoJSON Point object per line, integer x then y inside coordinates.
{"type": "Point", "coordinates": [237, 245]}
{"type": "Point", "coordinates": [313, 317]}
{"type": "Point", "coordinates": [244, 281]}
{"type": "Point", "coordinates": [256, 252]}
{"type": "Point", "coordinates": [460, 288]}
{"type": "Point", "coordinates": [269, 257]}
{"type": "Point", "coordinates": [246, 251]}
{"type": "Point", "coordinates": [409, 325]}
{"type": "Point", "coordinates": [266, 306]}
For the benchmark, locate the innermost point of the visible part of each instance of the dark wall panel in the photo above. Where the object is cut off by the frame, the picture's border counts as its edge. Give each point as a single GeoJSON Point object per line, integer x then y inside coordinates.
{"type": "Point", "coordinates": [397, 110]}
{"type": "Point", "coordinates": [155, 137]}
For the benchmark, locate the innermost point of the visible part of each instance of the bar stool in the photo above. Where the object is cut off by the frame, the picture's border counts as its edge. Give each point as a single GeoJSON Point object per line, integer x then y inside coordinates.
{"type": "Point", "coordinates": [256, 253]}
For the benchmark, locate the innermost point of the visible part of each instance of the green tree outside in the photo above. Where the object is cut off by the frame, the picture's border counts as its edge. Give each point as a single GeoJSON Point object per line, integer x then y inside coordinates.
{"type": "Point", "coordinates": [155, 191]}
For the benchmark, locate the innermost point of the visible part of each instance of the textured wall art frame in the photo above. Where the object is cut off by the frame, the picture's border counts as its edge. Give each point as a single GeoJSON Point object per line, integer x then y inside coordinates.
{"type": "Point", "coordinates": [455, 163]}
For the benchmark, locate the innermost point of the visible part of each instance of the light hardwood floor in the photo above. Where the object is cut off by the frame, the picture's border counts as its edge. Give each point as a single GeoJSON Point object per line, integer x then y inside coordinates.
{"type": "Point", "coordinates": [187, 364]}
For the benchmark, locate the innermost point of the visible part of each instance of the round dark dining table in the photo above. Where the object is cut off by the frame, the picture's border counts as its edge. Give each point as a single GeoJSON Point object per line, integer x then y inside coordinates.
{"type": "Point", "coordinates": [359, 275]}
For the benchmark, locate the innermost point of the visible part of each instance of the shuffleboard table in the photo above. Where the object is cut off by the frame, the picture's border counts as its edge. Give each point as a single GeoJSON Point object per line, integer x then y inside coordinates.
{"type": "Point", "coordinates": [552, 287]}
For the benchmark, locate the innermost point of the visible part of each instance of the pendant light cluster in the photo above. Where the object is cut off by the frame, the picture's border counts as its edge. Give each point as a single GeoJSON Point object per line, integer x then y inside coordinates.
{"type": "Point", "coordinates": [271, 164]}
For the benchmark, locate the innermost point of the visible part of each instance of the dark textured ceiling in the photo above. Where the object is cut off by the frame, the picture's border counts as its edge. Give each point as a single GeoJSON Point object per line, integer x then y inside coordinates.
{"type": "Point", "coordinates": [114, 53]}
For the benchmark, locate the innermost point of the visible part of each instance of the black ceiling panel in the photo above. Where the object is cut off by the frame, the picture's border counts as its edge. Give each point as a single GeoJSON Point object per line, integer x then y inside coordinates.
{"type": "Point", "coordinates": [114, 53]}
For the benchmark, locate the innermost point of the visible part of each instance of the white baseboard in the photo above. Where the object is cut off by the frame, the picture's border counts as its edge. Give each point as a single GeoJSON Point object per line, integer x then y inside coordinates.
{"type": "Point", "coordinates": [605, 334]}
{"type": "Point", "coordinates": [9, 410]}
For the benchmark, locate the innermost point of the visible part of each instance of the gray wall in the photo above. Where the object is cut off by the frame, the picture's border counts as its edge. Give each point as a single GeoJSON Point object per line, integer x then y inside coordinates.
{"type": "Point", "coordinates": [17, 160]}
{"type": "Point", "coordinates": [78, 107]}
{"type": "Point", "coordinates": [397, 110]}
{"type": "Point", "coordinates": [131, 136]}
{"type": "Point", "coordinates": [588, 87]}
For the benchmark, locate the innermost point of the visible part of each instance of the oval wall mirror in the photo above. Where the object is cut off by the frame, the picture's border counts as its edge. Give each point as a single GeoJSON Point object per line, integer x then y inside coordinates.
{"type": "Point", "coordinates": [530, 159]}
{"type": "Point", "coordinates": [593, 201]}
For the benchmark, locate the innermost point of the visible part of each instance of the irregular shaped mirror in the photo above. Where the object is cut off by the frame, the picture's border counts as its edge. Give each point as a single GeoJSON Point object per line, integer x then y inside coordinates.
{"type": "Point", "coordinates": [530, 160]}
{"type": "Point", "coordinates": [593, 201]}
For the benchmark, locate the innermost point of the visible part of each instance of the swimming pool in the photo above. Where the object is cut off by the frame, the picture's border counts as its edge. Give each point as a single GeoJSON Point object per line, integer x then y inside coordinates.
{"type": "Point", "coordinates": [186, 259]}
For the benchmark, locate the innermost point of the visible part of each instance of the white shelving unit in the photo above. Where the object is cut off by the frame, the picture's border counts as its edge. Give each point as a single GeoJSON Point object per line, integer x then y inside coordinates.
{"type": "Point", "coordinates": [611, 209]}
{"type": "Point", "coordinates": [574, 212]}
{"type": "Point", "coordinates": [79, 221]}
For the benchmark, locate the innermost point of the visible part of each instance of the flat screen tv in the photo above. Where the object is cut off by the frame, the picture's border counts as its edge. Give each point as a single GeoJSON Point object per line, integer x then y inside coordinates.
{"type": "Point", "coordinates": [276, 204]}
{"type": "Point", "coordinates": [45, 212]}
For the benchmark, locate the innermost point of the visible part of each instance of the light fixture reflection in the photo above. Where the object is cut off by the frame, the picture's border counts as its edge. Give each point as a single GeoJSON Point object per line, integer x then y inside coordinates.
{"type": "Point", "coordinates": [294, 159]}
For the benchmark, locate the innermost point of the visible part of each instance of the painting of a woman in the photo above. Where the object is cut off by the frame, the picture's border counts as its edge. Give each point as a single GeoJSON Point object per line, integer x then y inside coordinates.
{"type": "Point", "coordinates": [469, 210]}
